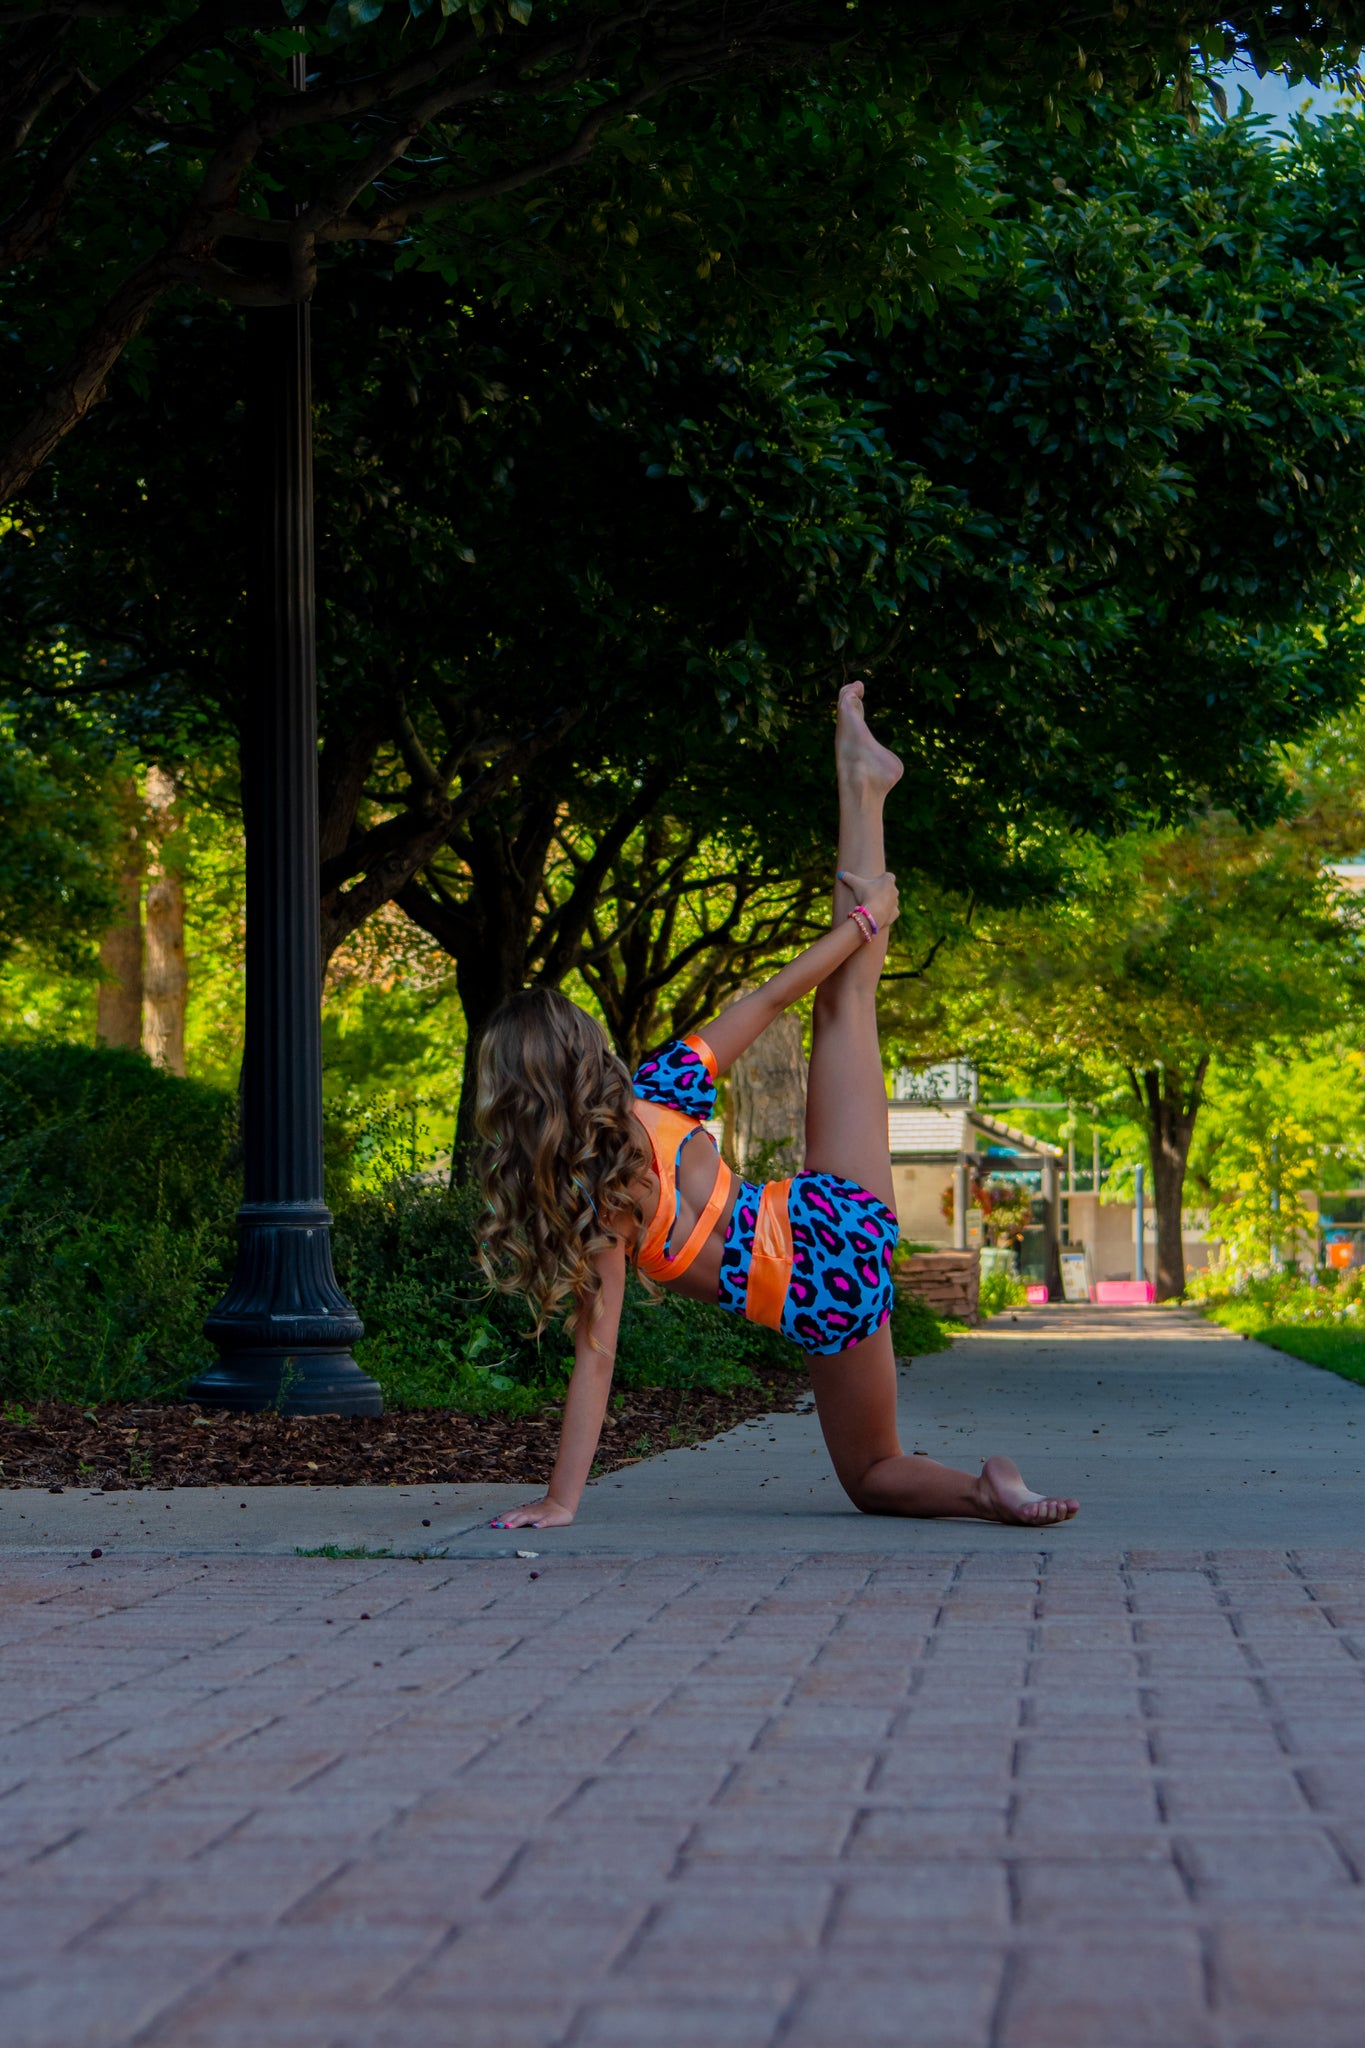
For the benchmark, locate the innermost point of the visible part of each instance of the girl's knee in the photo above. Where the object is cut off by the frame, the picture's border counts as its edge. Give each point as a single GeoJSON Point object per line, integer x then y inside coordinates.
{"type": "Point", "coordinates": [866, 1493]}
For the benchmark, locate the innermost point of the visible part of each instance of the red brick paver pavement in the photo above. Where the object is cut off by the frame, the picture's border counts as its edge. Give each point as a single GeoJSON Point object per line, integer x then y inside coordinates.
{"type": "Point", "coordinates": [994, 1801]}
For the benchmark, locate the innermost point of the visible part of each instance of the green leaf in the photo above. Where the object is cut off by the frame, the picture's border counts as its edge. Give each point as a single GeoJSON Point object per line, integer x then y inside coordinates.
{"type": "Point", "coordinates": [520, 10]}
{"type": "Point", "coordinates": [349, 15]}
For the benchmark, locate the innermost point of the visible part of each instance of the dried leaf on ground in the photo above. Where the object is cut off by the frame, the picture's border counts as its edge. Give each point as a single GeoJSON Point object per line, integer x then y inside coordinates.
{"type": "Point", "coordinates": [123, 1445]}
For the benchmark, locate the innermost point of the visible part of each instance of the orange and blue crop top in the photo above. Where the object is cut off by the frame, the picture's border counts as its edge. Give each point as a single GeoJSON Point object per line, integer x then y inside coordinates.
{"type": "Point", "coordinates": [675, 1091]}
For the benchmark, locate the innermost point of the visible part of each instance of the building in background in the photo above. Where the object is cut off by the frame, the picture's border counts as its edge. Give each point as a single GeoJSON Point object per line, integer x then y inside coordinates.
{"type": "Point", "coordinates": [1020, 1190]}
{"type": "Point", "coordinates": [964, 1178]}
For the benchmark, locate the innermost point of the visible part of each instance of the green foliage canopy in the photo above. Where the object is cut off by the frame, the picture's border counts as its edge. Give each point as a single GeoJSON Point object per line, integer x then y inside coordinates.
{"type": "Point", "coordinates": [1097, 533]}
{"type": "Point", "coordinates": [1096, 537]}
{"type": "Point", "coordinates": [149, 151]}
{"type": "Point", "coordinates": [1167, 952]}
{"type": "Point", "coordinates": [61, 829]}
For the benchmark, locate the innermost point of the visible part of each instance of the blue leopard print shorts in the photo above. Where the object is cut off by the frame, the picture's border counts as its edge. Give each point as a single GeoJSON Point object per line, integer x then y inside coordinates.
{"type": "Point", "coordinates": [842, 1241]}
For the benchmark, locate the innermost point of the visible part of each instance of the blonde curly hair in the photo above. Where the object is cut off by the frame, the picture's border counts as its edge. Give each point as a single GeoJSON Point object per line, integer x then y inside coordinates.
{"type": "Point", "coordinates": [562, 1151]}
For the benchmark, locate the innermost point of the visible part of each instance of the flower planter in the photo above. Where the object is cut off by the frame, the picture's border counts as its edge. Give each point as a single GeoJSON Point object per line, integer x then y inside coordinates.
{"type": "Point", "coordinates": [1119, 1293]}
{"type": "Point", "coordinates": [948, 1282]}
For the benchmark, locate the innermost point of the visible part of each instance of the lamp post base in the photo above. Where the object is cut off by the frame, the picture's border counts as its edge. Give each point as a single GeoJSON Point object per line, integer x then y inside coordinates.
{"type": "Point", "coordinates": [326, 1381]}
{"type": "Point", "coordinates": [284, 1329]}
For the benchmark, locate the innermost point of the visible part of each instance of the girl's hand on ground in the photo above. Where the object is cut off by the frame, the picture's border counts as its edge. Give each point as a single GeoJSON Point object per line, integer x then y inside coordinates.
{"type": "Point", "coordinates": [537, 1514]}
{"type": "Point", "coordinates": [877, 893]}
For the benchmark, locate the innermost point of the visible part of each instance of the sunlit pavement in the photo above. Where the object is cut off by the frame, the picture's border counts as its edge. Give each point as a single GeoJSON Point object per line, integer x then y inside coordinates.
{"type": "Point", "coordinates": [1170, 1430]}
{"type": "Point", "coordinates": [952, 1788]}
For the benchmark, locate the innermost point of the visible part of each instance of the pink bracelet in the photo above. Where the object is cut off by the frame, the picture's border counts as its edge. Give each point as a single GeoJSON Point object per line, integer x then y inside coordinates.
{"type": "Point", "coordinates": [865, 921]}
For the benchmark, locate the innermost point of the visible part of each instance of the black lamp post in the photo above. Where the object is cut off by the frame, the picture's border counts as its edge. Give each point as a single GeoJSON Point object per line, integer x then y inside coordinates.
{"type": "Point", "coordinates": [284, 1329]}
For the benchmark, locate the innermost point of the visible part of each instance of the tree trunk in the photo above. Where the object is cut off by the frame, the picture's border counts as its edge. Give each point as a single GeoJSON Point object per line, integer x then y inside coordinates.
{"type": "Point", "coordinates": [81, 383]}
{"type": "Point", "coordinates": [165, 980]}
{"type": "Point", "coordinates": [118, 1002]}
{"type": "Point", "coordinates": [1171, 1111]}
{"type": "Point", "coordinates": [488, 937]}
{"type": "Point", "coordinates": [765, 1120]}
{"type": "Point", "coordinates": [483, 983]}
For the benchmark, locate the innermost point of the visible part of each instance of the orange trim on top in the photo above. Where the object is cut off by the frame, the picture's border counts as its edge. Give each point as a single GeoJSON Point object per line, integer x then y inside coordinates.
{"type": "Point", "coordinates": [660, 1125]}
{"type": "Point", "coordinates": [703, 1052]}
{"type": "Point", "coordinates": [680, 1260]}
{"type": "Point", "coordinates": [667, 1129]}
{"type": "Point", "coordinates": [770, 1269]}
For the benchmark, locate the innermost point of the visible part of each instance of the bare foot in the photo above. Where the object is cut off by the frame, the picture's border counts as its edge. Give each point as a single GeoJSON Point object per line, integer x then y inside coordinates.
{"type": "Point", "coordinates": [865, 766]}
{"type": "Point", "coordinates": [1005, 1498]}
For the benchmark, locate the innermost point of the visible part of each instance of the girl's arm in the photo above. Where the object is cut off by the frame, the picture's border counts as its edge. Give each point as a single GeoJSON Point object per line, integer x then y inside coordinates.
{"type": "Point", "coordinates": [584, 1407]}
{"type": "Point", "coordinates": [736, 1028]}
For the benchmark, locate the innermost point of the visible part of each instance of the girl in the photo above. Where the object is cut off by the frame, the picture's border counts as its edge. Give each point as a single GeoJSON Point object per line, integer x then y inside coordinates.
{"type": "Point", "coordinates": [583, 1173]}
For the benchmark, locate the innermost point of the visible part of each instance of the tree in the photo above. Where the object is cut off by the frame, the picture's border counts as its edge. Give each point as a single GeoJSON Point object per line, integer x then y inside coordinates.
{"type": "Point", "coordinates": [159, 149]}
{"type": "Point", "coordinates": [1288, 1122]}
{"type": "Point", "coordinates": [439, 746]}
{"type": "Point", "coordinates": [1020, 518]}
{"type": "Point", "coordinates": [63, 835]}
{"type": "Point", "coordinates": [165, 982]}
{"type": "Point", "coordinates": [574, 575]}
{"type": "Point", "coordinates": [1167, 952]}
{"type": "Point", "coordinates": [118, 998]}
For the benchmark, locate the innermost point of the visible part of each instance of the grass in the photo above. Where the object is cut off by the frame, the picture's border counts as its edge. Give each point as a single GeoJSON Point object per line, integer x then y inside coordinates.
{"type": "Point", "coordinates": [337, 1552]}
{"type": "Point", "coordinates": [1323, 1324]}
{"type": "Point", "coordinates": [1335, 1349]}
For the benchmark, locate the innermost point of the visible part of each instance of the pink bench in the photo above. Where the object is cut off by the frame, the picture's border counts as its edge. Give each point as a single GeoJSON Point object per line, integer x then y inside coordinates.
{"type": "Point", "coordinates": [1112, 1293]}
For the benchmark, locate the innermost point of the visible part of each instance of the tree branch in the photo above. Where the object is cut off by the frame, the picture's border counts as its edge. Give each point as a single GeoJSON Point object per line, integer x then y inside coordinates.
{"type": "Point", "coordinates": [560, 935]}
{"type": "Point", "coordinates": [37, 76]}
{"type": "Point", "coordinates": [416, 759]}
{"type": "Point", "coordinates": [384, 225]}
{"type": "Point", "coordinates": [449, 923]}
{"type": "Point", "coordinates": [31, 226]}
{"type": "Point", "coordinates": [392, 853]}
{"type": "Point", "coordinates": [1196, 1096]}
{"type": "Point", "coordinates": [342, 769]}
{"type": "Point", "coordinates": [81, 384]}
{"type": "Point", "coordinates": [918, 973]}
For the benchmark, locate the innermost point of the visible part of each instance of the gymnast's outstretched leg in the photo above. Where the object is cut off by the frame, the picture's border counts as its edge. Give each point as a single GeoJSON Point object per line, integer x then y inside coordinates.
{"type": "Point", "coordinates": [846, 1134]}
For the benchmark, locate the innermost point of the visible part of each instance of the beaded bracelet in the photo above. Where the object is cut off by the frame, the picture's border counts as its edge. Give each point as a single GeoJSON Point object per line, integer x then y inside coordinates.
{"type": "Point", "coordinates": [865, 921]}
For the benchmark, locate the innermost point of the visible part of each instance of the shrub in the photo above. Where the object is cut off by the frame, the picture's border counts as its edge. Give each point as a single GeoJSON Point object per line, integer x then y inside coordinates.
{"type": "Point", "coordinates": [435, 1336]}
{"type": "Point", "coordinates": [999, 1291]}
{"type": "Point", "coordinates": [915, 1329]}
{"type": "Point", "coordinates": [118, 1190]}
{"type": "Point", "coordinates": [1243, 1302]}
{"type": "Point", "coordinates": [114, 1136]}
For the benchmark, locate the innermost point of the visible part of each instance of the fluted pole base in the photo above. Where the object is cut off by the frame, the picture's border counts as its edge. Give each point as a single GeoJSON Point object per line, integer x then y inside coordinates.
{"type": "Point", "coordinates": [284, 1328]}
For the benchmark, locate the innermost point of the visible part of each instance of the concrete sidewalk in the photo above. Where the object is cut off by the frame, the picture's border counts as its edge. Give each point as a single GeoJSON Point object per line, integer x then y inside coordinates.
{"type": "Point", "coordinates": [1168, 1428]}
{"type": "Point", "coordinates": [824, 1783]}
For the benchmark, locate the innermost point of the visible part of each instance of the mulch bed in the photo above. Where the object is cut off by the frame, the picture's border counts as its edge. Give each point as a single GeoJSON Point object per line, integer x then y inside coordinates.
{"type": "Point", "coordinates": [121, 1445]}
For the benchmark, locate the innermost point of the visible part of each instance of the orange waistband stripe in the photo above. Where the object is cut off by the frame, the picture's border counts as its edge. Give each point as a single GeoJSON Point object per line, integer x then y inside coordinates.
{"type": "Point", "coordinates": [770, 1270]}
